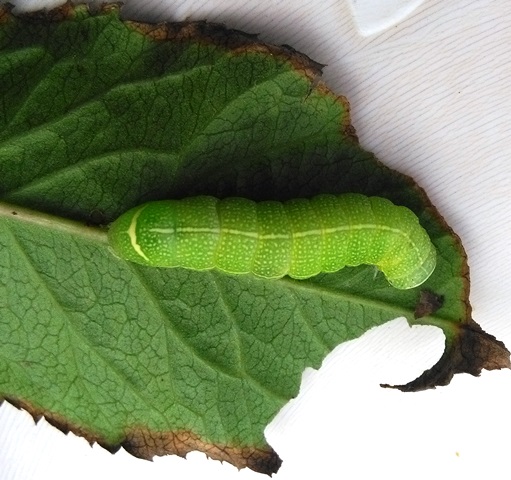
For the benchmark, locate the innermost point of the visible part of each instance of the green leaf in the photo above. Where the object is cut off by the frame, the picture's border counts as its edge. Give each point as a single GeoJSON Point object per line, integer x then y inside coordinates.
{"type": "Point", "coordinates": [98, 115]}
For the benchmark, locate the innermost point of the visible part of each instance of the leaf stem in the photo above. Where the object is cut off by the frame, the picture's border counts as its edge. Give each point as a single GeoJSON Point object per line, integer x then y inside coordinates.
{"type": "Point", "coordinates": [52, 222]}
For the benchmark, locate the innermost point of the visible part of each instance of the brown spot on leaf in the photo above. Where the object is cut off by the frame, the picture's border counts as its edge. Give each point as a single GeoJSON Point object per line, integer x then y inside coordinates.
{"type": "Point", "coordinates": [429, 303]}
{"type": "Point", "coordinates": [468, 349]}
{"type": "Point", "coordinates": [144, 443]}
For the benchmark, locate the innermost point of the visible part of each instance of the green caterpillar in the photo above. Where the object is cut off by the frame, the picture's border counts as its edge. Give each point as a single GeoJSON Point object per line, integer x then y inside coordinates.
{"type": "Point", "coordinates": [299, 238]}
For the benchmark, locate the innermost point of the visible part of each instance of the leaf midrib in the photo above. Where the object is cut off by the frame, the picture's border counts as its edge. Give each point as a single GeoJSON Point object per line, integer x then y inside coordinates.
{"type": "Point", "coordinates": [99, 236]}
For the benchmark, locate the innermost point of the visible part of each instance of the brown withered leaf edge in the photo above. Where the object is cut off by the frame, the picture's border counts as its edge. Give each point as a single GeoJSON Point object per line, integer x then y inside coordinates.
{"type": "Point", "coordinates": [468, 349]}
{"type": "Point", "coordinates": [145, 444]}
{"type": "Point", "coordinates": [236, 41]}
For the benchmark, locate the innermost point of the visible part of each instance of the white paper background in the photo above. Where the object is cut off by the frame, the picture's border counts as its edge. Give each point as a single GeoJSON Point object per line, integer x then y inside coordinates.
{"type": "Point", "coordinates": [430, 96]}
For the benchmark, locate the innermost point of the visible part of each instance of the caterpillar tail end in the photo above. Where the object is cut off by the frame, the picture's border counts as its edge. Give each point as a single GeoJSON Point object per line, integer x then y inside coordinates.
{"type": "Point", "coordinates": [419, 275]}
